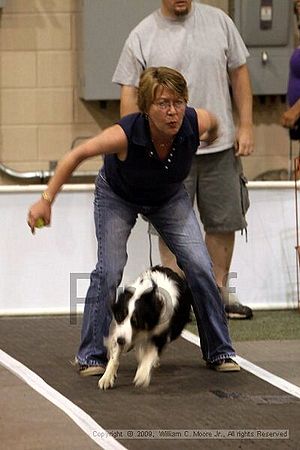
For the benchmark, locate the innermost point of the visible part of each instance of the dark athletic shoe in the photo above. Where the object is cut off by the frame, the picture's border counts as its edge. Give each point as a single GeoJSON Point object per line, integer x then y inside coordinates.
{"type": "Point", "coordinates": [233, 308]}
{"type": "Point", "coordinates": [224, 365]}
{"type": "Point", "coordinates": [238, 311]}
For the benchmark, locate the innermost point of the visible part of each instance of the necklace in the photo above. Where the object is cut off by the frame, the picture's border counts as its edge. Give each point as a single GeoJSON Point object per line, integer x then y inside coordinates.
{"type": "Point", "coordinates": [165, 152]}
{"type": "Point", "coordinates": [162, 146]}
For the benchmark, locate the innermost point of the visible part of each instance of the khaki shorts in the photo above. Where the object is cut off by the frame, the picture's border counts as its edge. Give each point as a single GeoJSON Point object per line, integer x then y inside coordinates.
{"type": "Point", "coordinates": [217, 183]}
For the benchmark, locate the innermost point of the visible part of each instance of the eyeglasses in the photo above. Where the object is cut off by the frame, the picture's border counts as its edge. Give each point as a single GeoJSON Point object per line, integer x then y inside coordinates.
{"type": "Point", "coordinates": [166, 104]}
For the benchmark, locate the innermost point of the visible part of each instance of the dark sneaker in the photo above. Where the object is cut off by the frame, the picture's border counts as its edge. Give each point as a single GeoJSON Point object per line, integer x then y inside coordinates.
{"type": "Point", "coordinates": [238, 311]}
{"type": "Point", "coordinates": [87, 371]}
{"type": "Point", "coordinates": [233, 308]}
{"type": "Point", "coordinates": [224, 365]}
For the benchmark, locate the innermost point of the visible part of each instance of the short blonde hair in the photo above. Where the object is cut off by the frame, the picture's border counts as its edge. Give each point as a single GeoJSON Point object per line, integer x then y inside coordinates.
{"type": "Point", "coordinates": [152, 78]}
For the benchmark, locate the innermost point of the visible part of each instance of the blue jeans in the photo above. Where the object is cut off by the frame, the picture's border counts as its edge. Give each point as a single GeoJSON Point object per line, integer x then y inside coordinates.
{"type": "Point", "coordinates": [177, 224]}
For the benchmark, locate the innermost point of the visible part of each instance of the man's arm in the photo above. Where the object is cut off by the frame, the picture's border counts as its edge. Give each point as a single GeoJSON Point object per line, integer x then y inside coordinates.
{"type": "Point", "coordinates": [208, 126]}
{"type": "Point", "coordinates": [128, 100]}
{"type": "Point", "coordinates": [242, 94]}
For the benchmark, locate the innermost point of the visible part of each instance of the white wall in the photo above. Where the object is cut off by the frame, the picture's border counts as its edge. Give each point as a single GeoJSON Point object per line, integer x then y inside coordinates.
{"type": "Point", "coordinates": [266, 266]}
{"type": "Point", "coordinates": [35, 270]}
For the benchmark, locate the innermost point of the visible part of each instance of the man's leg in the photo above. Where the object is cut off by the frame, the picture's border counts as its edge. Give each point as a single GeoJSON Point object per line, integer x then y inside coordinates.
{"type": "Point", "coordinates": [168, 258]}
{"type": "Point", "coordinates": [222, 201]}
{"type": "Point", "coordinates": [220, 248]}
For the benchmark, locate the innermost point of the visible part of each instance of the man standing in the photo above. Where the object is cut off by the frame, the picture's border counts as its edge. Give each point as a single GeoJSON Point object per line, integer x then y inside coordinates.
{"type": "Point", "coordinates": [203, 44]}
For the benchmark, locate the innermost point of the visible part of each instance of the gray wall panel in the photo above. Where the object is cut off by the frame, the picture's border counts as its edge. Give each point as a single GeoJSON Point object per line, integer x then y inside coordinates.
{"type": "Point", "coordinates": [270, 47]}
{"type": "Point", "coordinates": [104, 26]}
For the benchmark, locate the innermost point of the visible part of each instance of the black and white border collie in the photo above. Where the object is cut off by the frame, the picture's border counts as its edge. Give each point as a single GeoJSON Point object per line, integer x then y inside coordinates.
{"type": "Point", "coordinates": [146, 316]}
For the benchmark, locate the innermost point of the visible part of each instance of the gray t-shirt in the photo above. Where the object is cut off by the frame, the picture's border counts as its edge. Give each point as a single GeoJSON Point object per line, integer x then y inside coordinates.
{"type": "Point", "coordinates": [203, 46]}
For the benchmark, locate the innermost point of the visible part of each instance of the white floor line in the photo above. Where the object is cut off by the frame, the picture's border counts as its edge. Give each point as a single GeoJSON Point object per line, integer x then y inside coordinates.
{"type": "Point", "coordinates": [263, 374]}
{"type": "Point", "coordinates": [94, 431]}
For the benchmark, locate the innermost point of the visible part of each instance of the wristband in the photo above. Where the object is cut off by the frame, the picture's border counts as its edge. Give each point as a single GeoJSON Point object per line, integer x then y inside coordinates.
{"type": "Point", "coordinates": [47, 197]}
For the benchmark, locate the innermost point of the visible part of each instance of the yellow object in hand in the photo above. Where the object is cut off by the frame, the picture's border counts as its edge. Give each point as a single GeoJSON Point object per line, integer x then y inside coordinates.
{"type": "Point", "coordinates": [40, 223]}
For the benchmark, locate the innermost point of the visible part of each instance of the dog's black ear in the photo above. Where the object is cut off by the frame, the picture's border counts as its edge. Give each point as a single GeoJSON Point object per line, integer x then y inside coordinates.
{"type": "Point", "coordinates": [120, 307]}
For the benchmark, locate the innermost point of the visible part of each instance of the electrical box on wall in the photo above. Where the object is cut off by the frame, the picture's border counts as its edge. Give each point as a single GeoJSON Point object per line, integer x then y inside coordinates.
{"type": "Point", "coordinates": [103, 28]}
{"type": "Point", "coordinates": [267, 28]}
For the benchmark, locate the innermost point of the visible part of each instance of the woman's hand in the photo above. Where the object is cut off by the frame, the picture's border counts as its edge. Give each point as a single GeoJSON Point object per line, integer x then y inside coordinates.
{"type": "Point", "coordinates": [39, 210]}
{"type": "Point", "coordinates": [289, 118]}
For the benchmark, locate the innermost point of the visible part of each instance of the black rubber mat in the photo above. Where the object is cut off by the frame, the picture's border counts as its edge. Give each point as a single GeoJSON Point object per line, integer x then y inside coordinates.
{"type": "Point", "coordinates": [183, 394]}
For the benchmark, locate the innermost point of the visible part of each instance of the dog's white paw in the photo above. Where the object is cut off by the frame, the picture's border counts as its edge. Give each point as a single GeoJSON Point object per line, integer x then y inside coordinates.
{"type": "Point", "coordinates": [106, 382]}
{"type": "Point", "coordinates": [141, 382]}
{"type": "Point", "coordinates": [142, 378]}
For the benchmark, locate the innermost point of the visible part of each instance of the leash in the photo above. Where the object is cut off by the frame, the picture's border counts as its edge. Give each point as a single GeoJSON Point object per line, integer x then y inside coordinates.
{"type": "Point", "coordinates": [296, 177]}
{"type": "Point", "coordinates": [290, 173]}
{"type": "Point", "coordinates": [150, 248]}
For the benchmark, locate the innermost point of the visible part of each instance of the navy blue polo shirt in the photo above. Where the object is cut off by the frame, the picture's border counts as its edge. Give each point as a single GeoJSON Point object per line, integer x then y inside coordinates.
{"type": "Point", "coordinates": [144, 179]}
